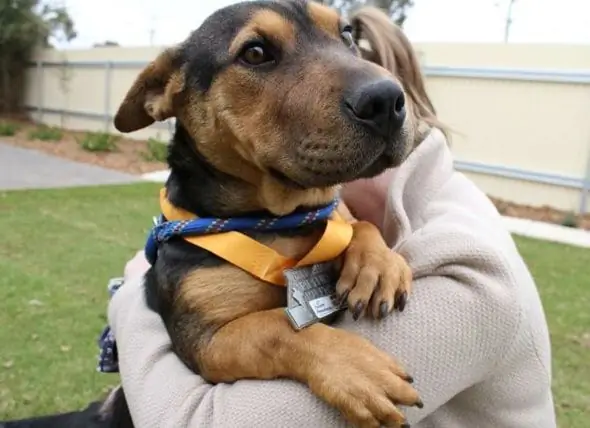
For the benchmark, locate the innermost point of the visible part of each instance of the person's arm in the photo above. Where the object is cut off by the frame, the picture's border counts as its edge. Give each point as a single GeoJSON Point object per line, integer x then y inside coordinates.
{"type": "Point", "coordinates": [452, 332]}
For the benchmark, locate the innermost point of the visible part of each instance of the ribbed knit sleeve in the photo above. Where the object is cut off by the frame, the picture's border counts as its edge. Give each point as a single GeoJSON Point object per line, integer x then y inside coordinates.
{"type": "Point", "coordinates": [473, 334]}
{"type": "Point", "coordinates": [448, 338]}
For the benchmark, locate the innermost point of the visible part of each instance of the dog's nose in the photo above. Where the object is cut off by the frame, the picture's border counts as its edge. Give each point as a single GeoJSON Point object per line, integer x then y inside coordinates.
{"type": "Point", "coordinates": [380, 105]}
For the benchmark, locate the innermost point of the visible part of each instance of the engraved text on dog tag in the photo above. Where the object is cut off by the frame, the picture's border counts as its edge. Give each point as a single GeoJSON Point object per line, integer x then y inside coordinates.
{"type": "Point", "coordinates": [311, 294]}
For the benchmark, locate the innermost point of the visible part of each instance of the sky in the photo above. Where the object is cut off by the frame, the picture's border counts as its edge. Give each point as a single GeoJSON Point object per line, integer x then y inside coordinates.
{"type": "Point", "coordinates": [157, 22]}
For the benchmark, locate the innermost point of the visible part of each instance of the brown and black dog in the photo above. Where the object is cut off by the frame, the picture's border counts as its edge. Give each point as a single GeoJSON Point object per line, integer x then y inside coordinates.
{"type": "Point", "coordinates": [275, 108]}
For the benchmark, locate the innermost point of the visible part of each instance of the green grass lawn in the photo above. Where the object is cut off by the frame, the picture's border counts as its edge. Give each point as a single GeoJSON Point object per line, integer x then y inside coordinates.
{"type": "Point", "coordinates": [59, 247]}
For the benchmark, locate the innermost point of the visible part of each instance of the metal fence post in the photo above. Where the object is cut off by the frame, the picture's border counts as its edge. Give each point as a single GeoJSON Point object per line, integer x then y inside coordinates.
{"type": "Point", "coordinates": [40, 88]}
{"type": "Point", "coordinates": [585, 186]}
{"type": "Point", "coordinates": [64, 77]}
{"type": "Point", "coordinates": [108, 78]}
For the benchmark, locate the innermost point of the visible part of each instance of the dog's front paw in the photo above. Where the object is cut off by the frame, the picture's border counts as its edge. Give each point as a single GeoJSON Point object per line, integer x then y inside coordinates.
{"type": "Point", "coordinates": [374, 279]}
{"type": "Point", "coordinates": [361, 381]}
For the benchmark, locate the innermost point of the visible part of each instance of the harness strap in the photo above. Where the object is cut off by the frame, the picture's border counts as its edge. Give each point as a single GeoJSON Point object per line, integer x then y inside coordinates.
{"type": "Point", "coordinates": [257, 259]}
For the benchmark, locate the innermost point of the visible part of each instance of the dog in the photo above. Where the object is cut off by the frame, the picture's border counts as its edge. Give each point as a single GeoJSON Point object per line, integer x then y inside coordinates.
{"type": "Point", "coordinates": [276, 107]}
{"type": "Point", "coordinates": [112, 412]}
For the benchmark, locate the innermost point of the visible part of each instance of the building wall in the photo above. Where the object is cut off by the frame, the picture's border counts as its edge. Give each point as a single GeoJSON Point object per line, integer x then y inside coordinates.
{"type": "Point", "coordinates": [520, 113]}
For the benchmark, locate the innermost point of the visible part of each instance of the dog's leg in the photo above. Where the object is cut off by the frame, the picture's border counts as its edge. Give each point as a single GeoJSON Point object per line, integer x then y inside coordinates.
{"type": "Point", "coordinates": [344, 369]}
{"type": "Point", "coordinates": [115, 410]}
{"type": "Point", "coordinates": [374, 279]}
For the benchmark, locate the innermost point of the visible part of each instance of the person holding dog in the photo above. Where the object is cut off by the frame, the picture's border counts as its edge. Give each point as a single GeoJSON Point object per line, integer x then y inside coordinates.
{"type": "Point", "coordinates": [473, 334]}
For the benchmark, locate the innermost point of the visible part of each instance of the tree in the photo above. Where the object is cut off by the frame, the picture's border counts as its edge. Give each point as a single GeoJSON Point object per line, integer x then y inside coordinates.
{"type": "Point", "coordinates": [396, 9]}
{"type": "Point", "coordinates": [24, 26]}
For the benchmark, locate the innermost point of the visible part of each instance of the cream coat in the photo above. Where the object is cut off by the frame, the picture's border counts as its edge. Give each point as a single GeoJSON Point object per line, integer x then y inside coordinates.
{"type": "Point", "coordinates": [473, 334]}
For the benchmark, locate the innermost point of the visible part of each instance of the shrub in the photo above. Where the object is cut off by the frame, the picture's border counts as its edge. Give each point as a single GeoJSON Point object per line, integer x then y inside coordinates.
{"type": "Point", "coordinates": [570, 220]}
{"type": "Point", "coordinates": [157, 150]}
{"type": "Point", "coordinates": [8, 129]}
{"type": "Point", "coordinates": [99, 142]}
{"type": "Point", "coordinates": [46, 133]}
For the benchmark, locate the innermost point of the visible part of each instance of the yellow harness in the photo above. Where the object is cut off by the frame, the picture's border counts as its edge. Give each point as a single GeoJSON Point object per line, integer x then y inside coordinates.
{"type": "Point", "coordinates": [257, 259]}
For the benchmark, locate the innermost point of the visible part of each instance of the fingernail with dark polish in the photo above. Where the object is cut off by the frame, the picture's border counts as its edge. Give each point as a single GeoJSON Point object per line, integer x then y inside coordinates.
{"type": "Point", "coordinates": [358, 310]}
{"type": "Point", "coordinates": [401, 301]}
{"type": "Point", "coordinates": [383, 309]}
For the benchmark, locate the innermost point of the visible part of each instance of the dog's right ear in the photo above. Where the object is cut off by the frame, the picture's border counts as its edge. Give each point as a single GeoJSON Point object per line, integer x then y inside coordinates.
{"type": "Point", "coordinates": [152, 96]}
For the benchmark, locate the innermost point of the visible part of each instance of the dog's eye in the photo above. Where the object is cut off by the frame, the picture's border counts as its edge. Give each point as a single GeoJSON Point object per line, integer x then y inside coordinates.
{"type": "Point", "coordinates": [256, 54]}
{"type": "Point", "coordinates": [346, 35]}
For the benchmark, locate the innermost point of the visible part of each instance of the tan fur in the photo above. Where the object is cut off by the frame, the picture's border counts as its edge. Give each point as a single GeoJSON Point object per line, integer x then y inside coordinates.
{"type": "Point", "coordinates": [268, 24]}
{"type": "Point", "coordinates": [243, 333]}
{"type": "Point", "coordinates": [246, 334]}
{"type": "Point", "coordinates": [245, 136]}
{"type": "Point", "coordinates": [161, 106]}
{"type": "Point", "coordinates": [238, 157]}
{"type": "Point", "coordinates": [373, 277]}
{"type": "Point", "coordinates": [152, 95]}
{"type": "Point", "coordinates": [344, 369]}
{"type": "Point", "coordinates": [226, 293]}
{"type": "Point", "coordinates": [325, 18]}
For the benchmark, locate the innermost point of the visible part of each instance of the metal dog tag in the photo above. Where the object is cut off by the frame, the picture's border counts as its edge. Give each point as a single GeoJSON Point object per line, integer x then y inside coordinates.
{"type": "Point", "coordinates": [311, 294]}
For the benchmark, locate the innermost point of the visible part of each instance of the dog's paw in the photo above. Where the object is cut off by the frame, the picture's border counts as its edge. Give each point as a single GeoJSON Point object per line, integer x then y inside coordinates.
{"type": "Point", "coordinates": [362, 382]}
{"type": "Point", "coordinates": [374, 280]}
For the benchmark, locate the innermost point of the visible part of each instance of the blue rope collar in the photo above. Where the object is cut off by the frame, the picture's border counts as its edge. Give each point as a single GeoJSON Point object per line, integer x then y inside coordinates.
{"type": "Point", "coordinates": [164, 230]}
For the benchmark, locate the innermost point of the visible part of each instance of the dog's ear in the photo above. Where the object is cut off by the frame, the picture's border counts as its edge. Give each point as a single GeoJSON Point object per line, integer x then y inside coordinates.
{"type": "Point", "coordinates": [152, 96]}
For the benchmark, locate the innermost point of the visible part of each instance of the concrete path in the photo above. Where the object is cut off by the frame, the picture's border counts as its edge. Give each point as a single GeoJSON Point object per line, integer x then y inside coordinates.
{"type": "Point", "coordinates": [28, 169]}
{"type": "Point", "coordinates": [548, 231]}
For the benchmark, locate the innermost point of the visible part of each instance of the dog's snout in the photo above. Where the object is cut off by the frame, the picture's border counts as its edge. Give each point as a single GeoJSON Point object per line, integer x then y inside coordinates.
{"type": "Point", "coordinates": [380, 105]}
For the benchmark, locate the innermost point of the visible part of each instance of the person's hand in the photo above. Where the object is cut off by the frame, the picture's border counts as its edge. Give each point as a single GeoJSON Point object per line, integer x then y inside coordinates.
{"type": "Point", "coordinates": [136, 267]}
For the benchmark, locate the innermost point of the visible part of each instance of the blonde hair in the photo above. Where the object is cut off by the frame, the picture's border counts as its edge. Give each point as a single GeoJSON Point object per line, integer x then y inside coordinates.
{"type": "Point", "coordinates": [389, 47]}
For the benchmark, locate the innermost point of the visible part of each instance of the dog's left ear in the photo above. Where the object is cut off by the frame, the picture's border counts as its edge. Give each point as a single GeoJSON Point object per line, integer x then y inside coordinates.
{"type": "Point", "coordinates": [152, 96]}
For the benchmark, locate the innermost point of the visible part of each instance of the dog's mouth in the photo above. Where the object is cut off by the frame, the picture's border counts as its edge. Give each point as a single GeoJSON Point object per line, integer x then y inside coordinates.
{"type": "Point", "coordinates": [383, 162]}
{"type": "Point", "coordinates": [318, 179]}
{"type": "Point", "coordinates": [285, 180]}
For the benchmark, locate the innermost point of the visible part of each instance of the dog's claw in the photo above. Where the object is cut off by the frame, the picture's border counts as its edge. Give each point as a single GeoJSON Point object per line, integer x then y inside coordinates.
{"type": "Point", "coordinates": [400, 301]}
{"type": "Point", "coordinates": [405, 425]}
{"type": "Point", "coordinates": [383, 309]}
{"type": "Point", "coordinates": [358, 310]}
{"type": "Point", "coordinates": [419, 404]}
{"type": "Point", "coordinates": [342, 298]}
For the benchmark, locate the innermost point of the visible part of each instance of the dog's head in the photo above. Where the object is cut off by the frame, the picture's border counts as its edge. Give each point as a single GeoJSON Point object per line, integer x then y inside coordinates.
{"type": "Point", "coordinates": [275, 93]}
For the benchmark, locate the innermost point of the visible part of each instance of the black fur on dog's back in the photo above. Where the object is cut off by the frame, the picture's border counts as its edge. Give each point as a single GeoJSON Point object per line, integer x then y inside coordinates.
{"type": "Point", "coordinates": [111, 413]}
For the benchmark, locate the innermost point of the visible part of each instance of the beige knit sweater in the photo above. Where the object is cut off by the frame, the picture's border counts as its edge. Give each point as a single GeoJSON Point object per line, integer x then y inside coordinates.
{"type": "Point", "coordinates": [473, 335]}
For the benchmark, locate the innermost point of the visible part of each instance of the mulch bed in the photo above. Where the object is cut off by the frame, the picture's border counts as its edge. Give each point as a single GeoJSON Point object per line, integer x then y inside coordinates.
{"type": "Point", "coordinates": [544, 213]}
{"type": "Point", "coordinates": [130, 157]}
